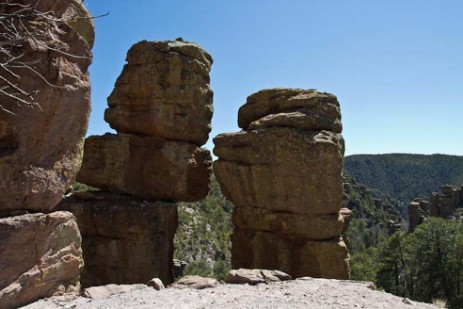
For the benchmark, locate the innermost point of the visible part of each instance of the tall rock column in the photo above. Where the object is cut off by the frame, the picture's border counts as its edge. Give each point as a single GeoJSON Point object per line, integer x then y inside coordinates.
{"type": "Point", "coordinates": [283, 172]}
{"type": "Point", "coordinates": [161, 108]}
{"type": "Point", "coordinates": [45, 104]}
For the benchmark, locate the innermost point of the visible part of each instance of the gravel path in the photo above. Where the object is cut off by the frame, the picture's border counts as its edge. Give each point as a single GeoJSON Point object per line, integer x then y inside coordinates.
{"type": "Point", "coordinates": [301, 293]}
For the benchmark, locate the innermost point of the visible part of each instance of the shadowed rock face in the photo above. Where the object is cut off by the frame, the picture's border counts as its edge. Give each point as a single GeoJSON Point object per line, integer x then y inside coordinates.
{"type": "Point", "coordinates": [283, 172]}
{"type": "Point", "coordinates": [164, 91]}
{"type": "Point", "coordinates": [124, 240]}
{"type": "Point", "coordinates": [40, 256]}
{"type": "Point", "coordinates": [292, 254]}
{"type": "Point", "coordinates": [41, 148]}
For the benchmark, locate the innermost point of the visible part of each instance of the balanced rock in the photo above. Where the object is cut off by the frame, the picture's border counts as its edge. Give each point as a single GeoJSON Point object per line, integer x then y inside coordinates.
{"type": "Point", "coordinates": [164, 91]}
{"type": "Point", "coordinates": [40, 256]}
{"type": "Point", "coordinates": [41, 147]}
{"type": "Point", "coordinates": [283, 172]}
{"type": "Point", "coordinates": [124, 240]}
{"type": "Point", "coordinates": [281, 169]}
{"type": "Point", "coordinates": [297, 108]}
{"type": "Point", "coordinates": [293, 254]}
{"type": "Point", "coordinates": [146, 167]}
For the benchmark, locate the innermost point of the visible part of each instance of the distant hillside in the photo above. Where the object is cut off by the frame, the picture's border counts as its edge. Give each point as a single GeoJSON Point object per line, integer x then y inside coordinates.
{"type": "Point", "coordinates": [375, 215]}
{"type": "Point", "coordinates": [405, 176]}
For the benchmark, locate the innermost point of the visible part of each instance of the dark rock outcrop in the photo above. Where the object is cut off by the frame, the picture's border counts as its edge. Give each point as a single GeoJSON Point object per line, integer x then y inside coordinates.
{"type": "Point", "coordinates": [40, 256]}
{"type": "Point", "coordinates": [123, 240]}
{"type": "Point", "coordinates": [283, 172]}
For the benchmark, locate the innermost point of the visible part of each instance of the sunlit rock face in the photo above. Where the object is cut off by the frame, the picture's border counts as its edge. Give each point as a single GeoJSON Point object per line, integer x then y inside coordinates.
{"type": "Point", "coordinates": [161, 108]}
{"type": "Point", "coordinates": [41, 146]}
{"type": "Point", "coordinates": [164, 91]}
{"type": "Point", "coordinates": [283, 172]}
{"type": "Point", "coordinates": [40, 256]}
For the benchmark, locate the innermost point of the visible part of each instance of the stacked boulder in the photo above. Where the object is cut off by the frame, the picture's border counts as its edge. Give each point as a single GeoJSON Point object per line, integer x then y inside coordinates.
{"type": "Point", "coordinates": [41, 150]}
{"type": "Point", "coordinates": [161, 108]}
{"type": "Point", "coordinates": [283, 172]}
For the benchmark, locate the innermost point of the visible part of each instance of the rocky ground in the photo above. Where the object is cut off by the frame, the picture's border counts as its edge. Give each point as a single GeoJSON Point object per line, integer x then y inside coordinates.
{"type": "Point", "coordinates": [301, 293]}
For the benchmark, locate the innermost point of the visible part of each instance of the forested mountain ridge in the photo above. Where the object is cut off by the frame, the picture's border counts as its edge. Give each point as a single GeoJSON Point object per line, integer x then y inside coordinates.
{"type": "Point", "coordinates": [405, 176]}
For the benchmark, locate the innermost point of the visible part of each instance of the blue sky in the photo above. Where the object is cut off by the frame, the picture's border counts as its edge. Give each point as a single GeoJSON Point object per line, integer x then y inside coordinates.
{"type": "Point", "coordinates": [396, 66]}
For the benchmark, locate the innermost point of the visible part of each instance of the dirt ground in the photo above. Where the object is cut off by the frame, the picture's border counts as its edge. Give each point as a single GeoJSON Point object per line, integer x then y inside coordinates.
{"type": "Point", "coordinates": [300, 293]}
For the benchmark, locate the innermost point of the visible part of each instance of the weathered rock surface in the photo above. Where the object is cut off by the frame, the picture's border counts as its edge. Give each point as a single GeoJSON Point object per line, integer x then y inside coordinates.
{"type": "Point", "coordinates": [283, 172]}
{"type": "Point", "coordinates": [281, 169]}
{"type": "Point", "coordinates": [195, 282]}
{"type": "Point", "coordinates": [312, 227]}
{"type": "Point", "coordinates": [255, 276]}
{"type": "Point", "coordinates": [123, 240]}
{"type": "Point", "coordinates": [40, 256]}
{"type": "Point", "coordinates": [41, 148]}
{"type": "Point", "coordinates": [304, 119]}
{"type": "Point", "coordinates": [146, 167]}
{"type": "Point", "coordinates": [106, 291]}
{"type": "Point", "coordinates": [292, 254]}
{"type": "Point", "coordinates": [164, 91]}
{"type": "Point", "coordinates": [304, 109]}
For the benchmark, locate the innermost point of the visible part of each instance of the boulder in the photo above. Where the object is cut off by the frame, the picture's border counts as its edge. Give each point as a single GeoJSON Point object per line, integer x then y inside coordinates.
{"type": "Point", "coordinates": [164, 91]}
{"type": "Point", "coordinates": [282, 169]}
{"type": "Point", "coordinates": [313, 227]}
{"type": "Point", "coordinates": [305, 109]}
{"type": "Point", "coordinates": [146, 167]}
{"type": "Point", "coordinates": [255, 276]}
{"type": "Point", "coordinates": [156, 284]}
{"type": "Point", "coordinates": [40, 256]}
{"type": "Point", "coordinates": [106, 291]}
{"type": "Point", "coordinates": [41, 147]}
{"type": "Point", "coordinates": [124, 240]}
{"type": "Point", "coordinates": [195, 282]}
{"type": "Point", "coordinates": [292, 254]}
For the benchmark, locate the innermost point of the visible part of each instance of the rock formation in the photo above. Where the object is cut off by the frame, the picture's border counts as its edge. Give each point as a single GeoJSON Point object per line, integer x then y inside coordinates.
{"type": "Point", "coordinates": [283, 172]}
{"type": "Point", "coordinates": [164, 91]}
{"type": "Point", "coordinates": [40, 256]}
{"type": "Point", "coordinates": [151, 168]}
{"type": "Point", "coordinates": [124, 240]}
{"type": "Point", "coordinates": [42, 129]}
{"type": "Point", "coordinates": [417, 211]}
{"type": "Point", "coordinates": [161, 108]}
{"type": "Point", "coordinates": [41, 148]}
{"type": "Point", "coordinates": [441, 205]}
